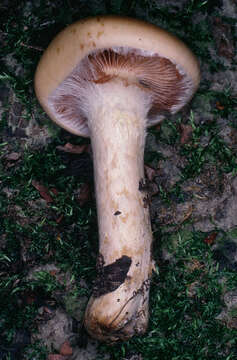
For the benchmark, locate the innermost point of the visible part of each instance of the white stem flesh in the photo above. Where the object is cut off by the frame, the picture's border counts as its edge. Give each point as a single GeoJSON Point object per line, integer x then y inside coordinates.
{"type": "Point", "coordinates": [117, 124]}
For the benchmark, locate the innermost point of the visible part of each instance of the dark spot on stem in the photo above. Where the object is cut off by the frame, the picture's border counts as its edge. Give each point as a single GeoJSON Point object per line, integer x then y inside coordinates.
{"type": "Point", "coordinates": [117, 213]}
{"type": "Point", "coordinates": [111, 276]}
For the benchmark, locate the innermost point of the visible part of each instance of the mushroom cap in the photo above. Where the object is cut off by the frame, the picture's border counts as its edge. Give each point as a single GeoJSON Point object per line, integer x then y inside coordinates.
{"type": "Point", "coordinates": [85, 37]}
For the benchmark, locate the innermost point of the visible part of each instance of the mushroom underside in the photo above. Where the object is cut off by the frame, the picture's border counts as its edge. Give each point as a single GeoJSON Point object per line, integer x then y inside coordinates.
{"type": "Point", "coordinates": [167, 84]}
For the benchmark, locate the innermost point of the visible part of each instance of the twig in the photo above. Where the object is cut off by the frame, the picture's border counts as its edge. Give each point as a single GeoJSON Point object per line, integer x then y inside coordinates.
{"type": "Point", "coordinates": [38, 48]}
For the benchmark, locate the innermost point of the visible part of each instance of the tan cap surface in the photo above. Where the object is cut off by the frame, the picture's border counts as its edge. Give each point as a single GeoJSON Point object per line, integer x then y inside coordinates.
{"type": "Point", "coordinates": [85, 36]}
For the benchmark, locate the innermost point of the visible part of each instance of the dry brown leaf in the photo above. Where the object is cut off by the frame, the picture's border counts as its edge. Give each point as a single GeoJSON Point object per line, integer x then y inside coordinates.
{"type": "Point", "coordinates": [59, 219]}
{"type": "Point", "coordinates": [223, 36]}
{"type": "Point", "coordinates": [192, 289]}
{"type": "Point", "coordinates": [194, 264]}
{"type": "Point", "coordinates": [66, 348]}
{"type": "Point", "coordinates": [219, 106]}
{"type": "Point", "coordinates": [14, 156]}
{"type": "Point", "coordinates": [186, 133]}
{"type": "Point", "coordinates": [53, 272]}
{"type": "Point", "coordinates": [29, 298]}
{"type": "Point", "coordinates": [44, 192]}
{"type": "Point", "coordinates": [73, 149]}
{"type": "Point", "coordinates": [47, 310]}
{"type": "Point", "coordinates": [56, 357]}
{"type": "Point", "coordinates": [210, 238]}
{"type": "Point", "coordinates": [158, 127]}
{"type": "Point", "coordinates": [54, 191]}
{"type": "Point", "coordinates": [58, 237]}
{"type": "Point", "coordinates": [84, 194]}
{"type": "Point", "coordinates": [188, 214]}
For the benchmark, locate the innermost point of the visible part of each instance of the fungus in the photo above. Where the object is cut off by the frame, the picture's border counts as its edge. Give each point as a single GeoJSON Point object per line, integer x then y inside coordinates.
{"type": "Point", "coordinates": [109, 78]}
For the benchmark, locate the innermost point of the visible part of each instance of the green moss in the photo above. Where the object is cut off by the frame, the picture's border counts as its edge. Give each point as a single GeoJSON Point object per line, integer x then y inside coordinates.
{"type": "Point", "coordinates": [233, 233]}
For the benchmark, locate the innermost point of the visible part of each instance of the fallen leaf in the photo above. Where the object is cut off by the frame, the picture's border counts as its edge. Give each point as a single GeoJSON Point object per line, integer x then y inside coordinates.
{"type": "Point", "coordinates": [158, 127]}
{"type": "Point", "coordinates": [66, 348]}
{"type": "Point", "coordinates": [84, 194]}
{"type": "Point", "coordinates": [186, 133]}
{"type": "Point", "coordinates": [59, 219]}
{"type": "Point", "coordinates": [58, 237]}
{"type": "Point", "coordinates": [56, 357]}
{"type": "Point", "coordinates": [188, 214]}
{"type": "Point", "coordinates": [44, 192]}
{"type": "Point", "coordinates": [210, 238]}
{"type": "Point", "coordinates": [53, 272]}
{"type": "Point", "coordinates": [54, 191]}
{"type": "Point", "coordinates": [29, 298]}
{"type": "Point", "coordinates": [194, 264]}
{"type": "Point", "coordinates": [223, 36]}
{"type": "Point", "coordinates": [14, 156]}
{"type": "Point", "coordinates": [10, 164]}
{"type": "Point", "coordinates": [47, 310]}
{"type": "Point", "coordinates": [73, 149]}
{"type": "Point", "coordinates": [192, 289]}
{"type": "Point", "coordinates": [219, 106]}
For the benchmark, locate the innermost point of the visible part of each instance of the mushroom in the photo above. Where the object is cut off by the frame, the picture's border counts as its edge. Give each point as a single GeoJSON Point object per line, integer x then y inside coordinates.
{"type": "Point", "coordinates": [110, 78]}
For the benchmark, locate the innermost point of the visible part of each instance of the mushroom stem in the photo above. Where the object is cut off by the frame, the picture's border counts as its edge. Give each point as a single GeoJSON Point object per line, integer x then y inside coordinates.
{"type": "Point", "coordinates": [109, 77]}
{"type": "Point", "coordinates": [118, 308]}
